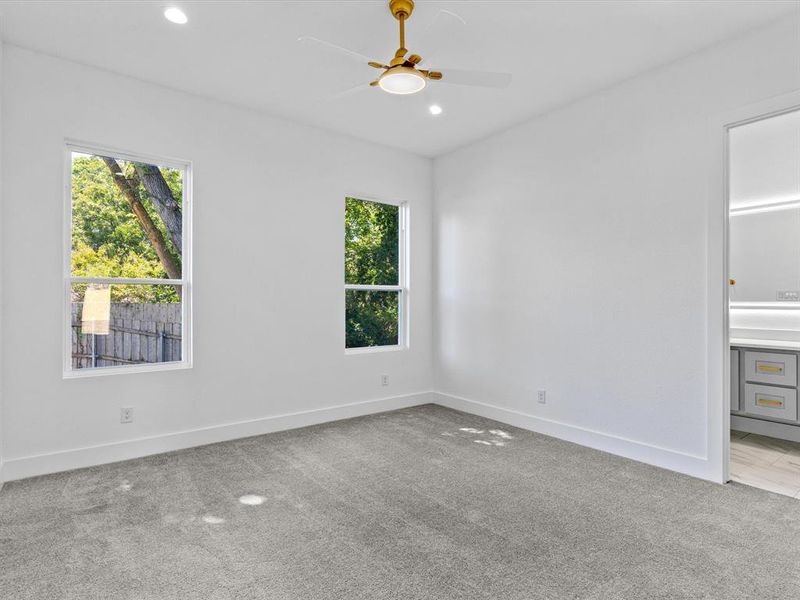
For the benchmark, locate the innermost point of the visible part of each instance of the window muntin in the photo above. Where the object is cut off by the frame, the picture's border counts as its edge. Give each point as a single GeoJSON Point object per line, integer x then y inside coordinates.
{"type": "Point", "coordinates": [126, 263]}
{"type": "Point", "coordinates": [376, 295]}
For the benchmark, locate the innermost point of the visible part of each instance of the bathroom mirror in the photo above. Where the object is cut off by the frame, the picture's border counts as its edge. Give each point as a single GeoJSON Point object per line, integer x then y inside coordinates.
{"type": "Point", "coordinates": [765, 255]}
{"type": "Point", "coordinates": [764, 171]}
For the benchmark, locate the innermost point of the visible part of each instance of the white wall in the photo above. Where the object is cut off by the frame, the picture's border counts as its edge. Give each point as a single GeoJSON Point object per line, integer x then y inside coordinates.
{"type": "Point", "coordinates": [571, 257]}
{"type": "Point", "coordinates": [2, 476]}
{"type": "Point", "coordinates": [268, 270]}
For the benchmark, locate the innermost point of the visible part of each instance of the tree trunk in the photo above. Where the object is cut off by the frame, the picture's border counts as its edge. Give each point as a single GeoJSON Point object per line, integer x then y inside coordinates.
{"type": "Point", "coordinates": [164, 202]}
{"type": "Point", "coordinates": [171, 266]}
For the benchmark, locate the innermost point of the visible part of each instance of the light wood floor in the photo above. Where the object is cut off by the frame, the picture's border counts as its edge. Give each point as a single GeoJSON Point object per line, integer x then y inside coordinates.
{"type": "Point", "coordinates": [766, 463]}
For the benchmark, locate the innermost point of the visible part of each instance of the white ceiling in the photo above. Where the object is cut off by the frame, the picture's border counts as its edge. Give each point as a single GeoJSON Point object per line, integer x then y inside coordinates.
{"type": "Point", "coordinates": [247, 53]}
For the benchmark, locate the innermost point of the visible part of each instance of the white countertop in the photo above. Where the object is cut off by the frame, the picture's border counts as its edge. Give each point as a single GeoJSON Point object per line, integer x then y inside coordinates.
{"type": "Point", "coordinates": [766, 344]}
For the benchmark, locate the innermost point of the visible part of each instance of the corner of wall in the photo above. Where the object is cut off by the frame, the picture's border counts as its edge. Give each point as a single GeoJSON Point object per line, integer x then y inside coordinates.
{"type": "Point", "coordinates": [681, 462]}
{"type": "Point", "coordinates": [2, 478]}
{"type": "Point", "coordinates": [434, 291]}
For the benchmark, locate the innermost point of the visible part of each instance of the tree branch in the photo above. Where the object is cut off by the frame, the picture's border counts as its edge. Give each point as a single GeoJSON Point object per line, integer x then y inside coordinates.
{"type": "Point", "coordinates": [163, 200]}
{"type": "Point", "coordinates": [152, 232]}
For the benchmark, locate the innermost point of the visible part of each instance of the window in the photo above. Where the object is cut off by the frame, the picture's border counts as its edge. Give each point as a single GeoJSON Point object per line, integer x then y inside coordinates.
{"type": "Point", "coordinates": [127, 263]}
{"type": "Point", "coordinates": [376, 295]}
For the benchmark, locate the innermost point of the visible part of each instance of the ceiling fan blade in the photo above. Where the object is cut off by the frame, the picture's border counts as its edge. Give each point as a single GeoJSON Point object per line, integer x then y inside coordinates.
{"type": "Point", "coordinates": [322, 44]}
{"type": "Point", "coordinates": [440, 29]}
{"type": "Point", "coordinates": [350, 91]}
{"type": "Point", "coordinates": [475, 78]}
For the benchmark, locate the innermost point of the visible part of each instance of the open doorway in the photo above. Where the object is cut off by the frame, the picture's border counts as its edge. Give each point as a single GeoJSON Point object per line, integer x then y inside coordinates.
{"type": "Point", "coordinates": [763, 213]}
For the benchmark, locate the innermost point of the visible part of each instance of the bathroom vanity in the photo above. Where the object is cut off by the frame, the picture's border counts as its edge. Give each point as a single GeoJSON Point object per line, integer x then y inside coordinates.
{"type": "Point", "coordinates": [764, 388]}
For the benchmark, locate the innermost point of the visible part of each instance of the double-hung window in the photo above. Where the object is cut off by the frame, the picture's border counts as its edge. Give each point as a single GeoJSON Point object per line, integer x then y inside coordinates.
{"type": "Point", "coordinates": [375, 275]}
{"type": "Point", "coordinates": [127, 263]}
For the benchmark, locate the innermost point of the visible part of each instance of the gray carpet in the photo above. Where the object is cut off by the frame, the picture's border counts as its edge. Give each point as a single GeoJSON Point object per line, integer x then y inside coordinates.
{"type": "Point", "coordinates": [418, 503]}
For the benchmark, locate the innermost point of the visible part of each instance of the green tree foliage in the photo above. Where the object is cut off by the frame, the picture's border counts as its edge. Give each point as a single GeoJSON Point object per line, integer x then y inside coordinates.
{"type": "Point", "coordinates": [107, 240]}
{"type": "Point", "coordinates": [371, 258]}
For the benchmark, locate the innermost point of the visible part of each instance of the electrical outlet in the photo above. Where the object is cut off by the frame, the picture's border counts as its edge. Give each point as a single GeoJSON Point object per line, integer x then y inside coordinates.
{"type": "Point", "coordinates": [126, 414]}
{"type": "Point", "coordinates": [542, 396]}
{"type": "Point", "coordinates": [384, 380]}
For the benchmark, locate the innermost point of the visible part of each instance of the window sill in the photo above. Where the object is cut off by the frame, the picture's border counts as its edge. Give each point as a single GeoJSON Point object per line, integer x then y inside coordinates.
{"type": "Point", "coordinates": [104, 371]}
{"type": "Point", "coordinates": [375, 349]}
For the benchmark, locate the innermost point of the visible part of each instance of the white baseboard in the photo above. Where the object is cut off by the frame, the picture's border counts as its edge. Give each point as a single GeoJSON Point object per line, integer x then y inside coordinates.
{"type": "Point", "coordinates": [696, 466]}
{"type": "Point", "coordinates": [43, 464]}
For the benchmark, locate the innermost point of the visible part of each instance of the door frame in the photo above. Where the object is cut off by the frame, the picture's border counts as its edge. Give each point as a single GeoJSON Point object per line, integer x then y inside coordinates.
{"type": "Point", "coordinates": [718, 334]}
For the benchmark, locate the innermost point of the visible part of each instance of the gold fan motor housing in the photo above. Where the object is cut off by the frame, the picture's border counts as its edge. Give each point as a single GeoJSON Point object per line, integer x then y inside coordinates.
{"type": "Point", "coordinates": [401, 7]}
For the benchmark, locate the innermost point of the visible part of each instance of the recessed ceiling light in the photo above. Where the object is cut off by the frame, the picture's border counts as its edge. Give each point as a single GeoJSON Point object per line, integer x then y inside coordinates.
{"type": "Point", "coordinates": [176, 15]}
{"type": "Point", "coordinates": [435, 109]}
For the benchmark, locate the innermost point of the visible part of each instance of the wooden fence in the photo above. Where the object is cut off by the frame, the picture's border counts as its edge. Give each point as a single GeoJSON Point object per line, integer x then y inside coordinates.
{"type": "Point", "coordinates": [139, 333]}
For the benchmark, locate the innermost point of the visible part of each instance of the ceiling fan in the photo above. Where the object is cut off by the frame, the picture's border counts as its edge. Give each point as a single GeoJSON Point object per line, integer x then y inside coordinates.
{"type": "Point", "coordinates": [402, 75]}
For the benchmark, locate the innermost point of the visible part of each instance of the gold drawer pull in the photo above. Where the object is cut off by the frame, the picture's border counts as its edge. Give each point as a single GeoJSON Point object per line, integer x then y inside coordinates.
{"type": "Point", "coordinates": [769, 369]}
{"type": "Point", "coordinates": [769, 402]}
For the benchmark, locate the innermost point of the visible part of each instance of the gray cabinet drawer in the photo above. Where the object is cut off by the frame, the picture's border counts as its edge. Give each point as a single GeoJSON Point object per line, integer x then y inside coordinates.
{"type": "Point", "coordinates": [768, 367]}
{"type": "Point", "coordinates": [734, 380]}
{"type": "Point", "coordinates": [768, 401]}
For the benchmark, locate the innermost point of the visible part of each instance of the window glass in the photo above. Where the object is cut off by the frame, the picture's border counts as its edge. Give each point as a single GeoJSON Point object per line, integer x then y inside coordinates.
{"type": "Point", "coordinates": [126, 234]}
{"type": "Point", "coordinates": [121, 325]}
{"type": "Point", "coordinates": [371, 254]}
{"type": "Point", "coordinates": [374, 276]}
{"type": "Point", "coordinates": [372, 318]}
{"type": "Point", "coordinates": [126, 218]}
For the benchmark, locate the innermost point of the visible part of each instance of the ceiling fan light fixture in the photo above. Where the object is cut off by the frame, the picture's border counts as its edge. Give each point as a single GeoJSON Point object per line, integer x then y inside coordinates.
{"type": "Point", "coordinates": [402, 80]}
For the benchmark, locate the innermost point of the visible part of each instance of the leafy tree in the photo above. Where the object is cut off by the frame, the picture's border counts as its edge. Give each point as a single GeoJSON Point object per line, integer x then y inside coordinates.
{"type": "Point", "coordinates": [371, 258]}
{"type": "Point", "coordinates": [107, 237]}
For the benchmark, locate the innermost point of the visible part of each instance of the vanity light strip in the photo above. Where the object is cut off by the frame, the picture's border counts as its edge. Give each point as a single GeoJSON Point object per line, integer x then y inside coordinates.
{"type": "Point", "coordinates": [768, 207]}
{"type": "Point", "coordinates": [766, 305]}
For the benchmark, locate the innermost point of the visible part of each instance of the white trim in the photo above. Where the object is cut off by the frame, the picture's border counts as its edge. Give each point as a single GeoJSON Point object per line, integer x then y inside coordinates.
{"type": "Point", "coordinates": [126, 280]}
{"type": "Point", "coordinates": [66, 460]}
{"type": "Point", "coordinates": [374, 349]}
{"type": "Point", "coordinates": [402, 289]}
{"type": "Point", "coordinates": [84, 147]}
{"type": "Point", "coordinates": [127, 370]}
{"type": "Point", "coordinates": [373, 288]}
{"type": "Point", "coordinates": [54, 462]}
{"type": "Point", "coordinates": [690, 464]}
{"type": "Point", "coordinates": [717, 315]}
{"type": "Point", "coordinates": [375, 199]}
{"type": "Point", "coordinates": [185, 282]}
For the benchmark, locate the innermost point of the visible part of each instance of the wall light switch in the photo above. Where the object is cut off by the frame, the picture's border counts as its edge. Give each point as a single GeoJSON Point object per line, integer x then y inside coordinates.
{"type": "Point", "coordinates": [542, 396]}
{"type": "Point", "coordinates": [384, 380]}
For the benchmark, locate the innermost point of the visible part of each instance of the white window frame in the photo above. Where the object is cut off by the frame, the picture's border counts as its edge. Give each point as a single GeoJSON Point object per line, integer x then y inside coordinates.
{"type": "Point", "coordinates": [185, 281]}
{"type": "Point", "coordinates": [402, 287]}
